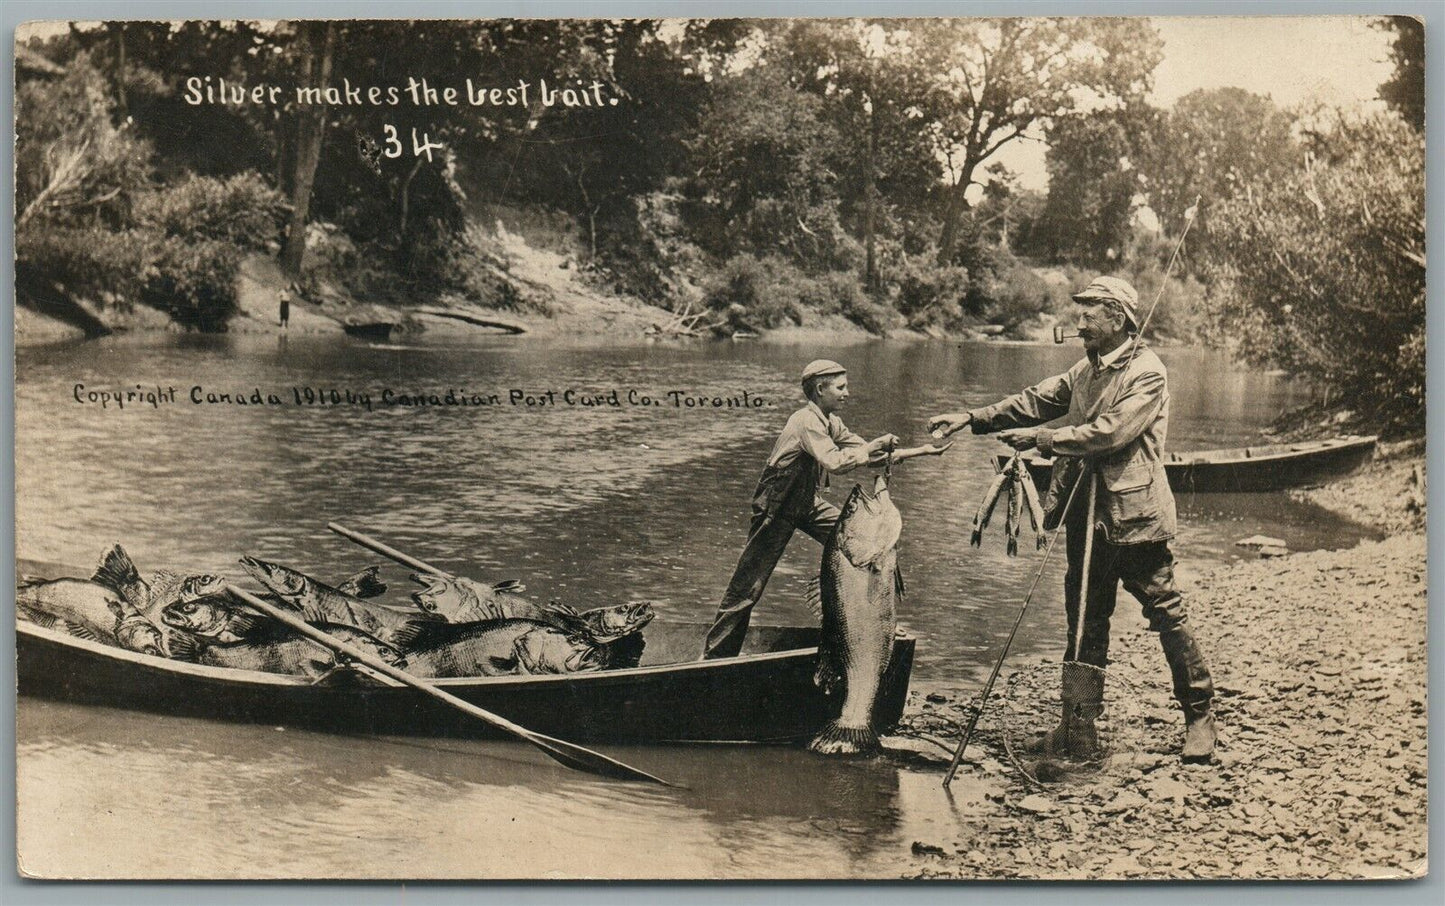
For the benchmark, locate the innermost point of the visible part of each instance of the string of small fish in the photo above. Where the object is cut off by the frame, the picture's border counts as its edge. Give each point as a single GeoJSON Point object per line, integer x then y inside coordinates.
{"type": "Point", "coordinates": [453, 626]}
{"type": "Point", "coordinates": [1023, 496]}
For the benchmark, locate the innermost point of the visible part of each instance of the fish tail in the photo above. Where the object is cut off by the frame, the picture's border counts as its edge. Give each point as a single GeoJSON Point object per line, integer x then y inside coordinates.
{"type": "Point", "coordinates": [834, 739]}
{"type": "Point", "coordinates": [116, 570]}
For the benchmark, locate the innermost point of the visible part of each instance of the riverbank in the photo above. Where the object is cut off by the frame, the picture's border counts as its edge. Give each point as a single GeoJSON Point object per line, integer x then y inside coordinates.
{"type": "Point", "coordinates": [1319, 662]}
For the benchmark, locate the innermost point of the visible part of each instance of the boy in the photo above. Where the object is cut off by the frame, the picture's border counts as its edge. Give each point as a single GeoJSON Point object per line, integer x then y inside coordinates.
{"type": "Point", "coordinates": [813, 441]}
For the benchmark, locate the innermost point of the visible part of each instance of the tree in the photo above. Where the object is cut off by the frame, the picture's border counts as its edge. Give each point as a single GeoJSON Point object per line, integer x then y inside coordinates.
{"type": "Point", "coordinates": [1321, 271]}
{"type": "Point", "coordinates": [995, 79]}
{"type": "Point", "coordinates": [1094, 178]}
{"type": "Point", "coordinates": [1404, 91]}
{"type": "Point", "coordinates": [318, 40]}
{"type": "Point", "coordinates": [1214, 142]}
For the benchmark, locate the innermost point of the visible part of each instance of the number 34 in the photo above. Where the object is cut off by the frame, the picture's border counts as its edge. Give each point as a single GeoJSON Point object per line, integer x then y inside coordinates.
{"type": "Point", "coordinates": [419, 146]}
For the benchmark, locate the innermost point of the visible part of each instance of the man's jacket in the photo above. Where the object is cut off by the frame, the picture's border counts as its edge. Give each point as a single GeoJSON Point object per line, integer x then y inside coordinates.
{"type": "Point", "coordinates": [1113, 421]}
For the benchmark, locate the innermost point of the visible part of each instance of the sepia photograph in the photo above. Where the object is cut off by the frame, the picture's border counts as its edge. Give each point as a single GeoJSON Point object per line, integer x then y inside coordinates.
{"type": "Point", "coordinates": [965, 449]}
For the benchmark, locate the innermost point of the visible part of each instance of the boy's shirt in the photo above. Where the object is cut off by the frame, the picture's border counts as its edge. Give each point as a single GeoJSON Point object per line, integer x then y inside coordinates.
{"type": "Point", "coordinates": [810, 445]}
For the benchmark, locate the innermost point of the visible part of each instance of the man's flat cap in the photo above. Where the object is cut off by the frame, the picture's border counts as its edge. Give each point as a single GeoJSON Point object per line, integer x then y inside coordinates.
{"type": "Point", "coordinates": [1106, 289]}
{"type": "Point", "coordinates": [821, 367]}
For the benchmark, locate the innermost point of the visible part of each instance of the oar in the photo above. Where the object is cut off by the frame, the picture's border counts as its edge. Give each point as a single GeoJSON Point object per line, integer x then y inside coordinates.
{"type": "Point", "coordinates": [573, 756]}
{"type": "Point", "coordinates": [386, 550]}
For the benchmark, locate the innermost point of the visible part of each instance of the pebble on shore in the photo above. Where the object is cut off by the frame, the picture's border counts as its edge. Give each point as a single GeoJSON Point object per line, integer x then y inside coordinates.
{"type": "Point", "coordinates": [1320, 666]}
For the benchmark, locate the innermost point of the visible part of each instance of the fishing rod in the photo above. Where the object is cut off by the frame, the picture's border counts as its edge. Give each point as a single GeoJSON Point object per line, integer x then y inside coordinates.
{"type": "Point", "coordinates": [1048, 551]}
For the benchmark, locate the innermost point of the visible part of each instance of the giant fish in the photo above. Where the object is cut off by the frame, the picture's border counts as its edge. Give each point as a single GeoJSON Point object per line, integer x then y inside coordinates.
{"type": "Point", "coordinates": [87, 610]}
{"type": "Point", "coordinates": [461, 600]}
{"type": "Point", "coordinates": [858, 591]}
{"type": "Point", "coordinates": [500, 648]}
{"type": "Point", "coordinates": [148, 600]}
{"type": "Point", "coordinates": [318, 602]}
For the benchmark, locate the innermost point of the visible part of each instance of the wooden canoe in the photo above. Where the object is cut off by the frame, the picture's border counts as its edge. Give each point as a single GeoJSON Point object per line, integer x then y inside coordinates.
{"type": "Point", "coordinates": [766, 695]}
{"type": "Point", "coordinates": [379, 331]}
{"type": "Point", "coordinates": [1263, 468]}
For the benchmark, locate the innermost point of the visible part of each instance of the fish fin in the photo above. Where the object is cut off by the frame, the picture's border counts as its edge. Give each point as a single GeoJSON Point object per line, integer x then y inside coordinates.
{"type": "Point", "coordinates": [828, 676]}
{"type": "Point", "coordinates": [505, 665]}
{"type": "Point", "coordinates": [814, 595]}
{"type": "Point", "coordinates": [37, 616]}
{"type": "Point", "coordinates": [405, 638]}
{"type": "Point", "coordinates": [182, 647]}
{"type": "Point", "coordinates": [365, 584]}
{"type": "Point", "coordinates": [510, 586]}
{"type": "Point", "coordinates": [837, 740]}
{"type": "Point", "coordinates": [116, 570]}
{"type": "Point", "coordinates": [898, 587]}
{"type": "Point", "coordinates": [79, 631]}
{"type": "Point", "coordinates": [23, 581]}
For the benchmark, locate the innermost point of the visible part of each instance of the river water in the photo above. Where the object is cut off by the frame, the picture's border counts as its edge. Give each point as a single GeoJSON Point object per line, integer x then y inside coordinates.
{"type": "Point", "coordinates": [591, 504]}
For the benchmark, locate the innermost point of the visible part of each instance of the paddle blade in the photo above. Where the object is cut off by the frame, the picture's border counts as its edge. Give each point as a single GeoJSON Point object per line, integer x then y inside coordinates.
{"type": "Point", "coordinates": [580, 759]}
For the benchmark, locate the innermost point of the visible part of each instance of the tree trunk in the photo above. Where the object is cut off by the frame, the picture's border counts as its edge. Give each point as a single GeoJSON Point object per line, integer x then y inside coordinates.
{"type": "Point", "coordinates": [311, 128]}
{"type": "Point", "coordinates": [405, 199]}
{"type": "Point", "coordinates": [118, 37]}
{"type": "Point", "coordinates": [870, 193]}
{"type": "Point", "coordinates": [957, 206]}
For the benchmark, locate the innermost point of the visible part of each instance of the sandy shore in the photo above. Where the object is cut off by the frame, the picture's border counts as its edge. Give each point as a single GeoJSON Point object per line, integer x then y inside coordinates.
{"type": "Point", "coordinates": [1320, 665]}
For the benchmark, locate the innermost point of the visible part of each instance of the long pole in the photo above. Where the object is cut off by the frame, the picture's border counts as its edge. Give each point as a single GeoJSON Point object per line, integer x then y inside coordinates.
{"type": "Point", "coordinates": [573, 756]}
{"type": "Point", "coordinates": [1048, 552]}
{"type": "Point", "coordinates": [392, 553]}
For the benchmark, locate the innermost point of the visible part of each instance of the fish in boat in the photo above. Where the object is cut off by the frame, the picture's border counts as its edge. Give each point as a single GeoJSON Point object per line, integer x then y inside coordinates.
{"type": "Point", "coordinates": [858, 592]}
{"type": "Point", "coordinates": [289, 652]}
{"type": "Point", "coordinates": [149, 599]}
{"type": "Point", "coordinates": [317, 602]}
{"type": "Point", "coordinates": [606, 624]}
{"type": "Point", "coordinates": [458, 599]}
{"type": "Point", "coordinates": [84, 609]}
{"type": "Point", "coordinates": [217, 620]}
{"type": "Point", "coordinates": [500, 648]}
{"type": "Point", "coordinates": [462, 600]}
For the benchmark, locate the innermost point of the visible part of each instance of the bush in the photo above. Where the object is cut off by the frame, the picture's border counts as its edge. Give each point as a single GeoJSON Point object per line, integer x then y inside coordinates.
{"type": "Point", "coordinates": [928, 294]}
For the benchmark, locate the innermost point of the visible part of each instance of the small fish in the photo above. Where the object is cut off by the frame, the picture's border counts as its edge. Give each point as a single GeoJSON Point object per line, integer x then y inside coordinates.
{"type": "Point", "coordinates": [859, 589]}
{"type": "Point", "coordinates": [318, 602]}
{"type": "Point", "coordinates": [1013, 521]}
{"type": "Point", "coordinates": [985, 509]}
{"type": "Point", "coordinates": [1035, 508]}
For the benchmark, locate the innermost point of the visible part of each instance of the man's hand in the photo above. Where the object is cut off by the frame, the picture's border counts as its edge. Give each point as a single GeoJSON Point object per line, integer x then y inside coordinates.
{"type": "Point", "coordinates": [941, 426]}
{"type": "Point", "coordinates": [1021, 438]}
{"type": "Point", "coordinates": [882, 443]}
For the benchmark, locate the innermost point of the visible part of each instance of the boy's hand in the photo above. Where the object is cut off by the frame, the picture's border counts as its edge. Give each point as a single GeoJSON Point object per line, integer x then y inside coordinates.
{"type": "Point", "coordinates": [941, 426]}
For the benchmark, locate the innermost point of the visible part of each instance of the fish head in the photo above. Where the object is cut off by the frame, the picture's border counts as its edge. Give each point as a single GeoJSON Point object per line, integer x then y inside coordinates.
{"type": "Point", "coordinates": [137, 634]}
{"type": "Point", "coordinates": [368, 643]}
{"type": "Point", "coordinates": [203, 616]}
{"type": "Point", "coordinates": [450, 597]}
{"type": "Point", "coordinates": [610, 623]}
{"type": "Point", "coordinates": [282, 580]}
{"type": "Point", "coordinates": [868, 527]}
{"type": "Point", "coordinates": [553, 651]}
{"type": "Point", "coordinates": [201, 586]}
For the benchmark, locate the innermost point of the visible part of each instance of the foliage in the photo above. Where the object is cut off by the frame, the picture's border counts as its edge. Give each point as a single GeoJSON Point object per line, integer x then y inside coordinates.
{"type": "Point", "coordinates": [1404, 91]}
{"type": "Point", "coordinates": [1212, 144]}
{"type": "Point", "coordinates": [930, 294]}
{"type": "Point", "coordinates": [1322, 272]}
{"type": "Point", "coordinates": [995, 79]}
{"type": "Point", "coordinates": [1094, 180]}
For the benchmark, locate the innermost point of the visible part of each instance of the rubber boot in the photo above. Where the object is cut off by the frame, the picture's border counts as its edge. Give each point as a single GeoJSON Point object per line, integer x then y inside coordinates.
{"type": "Point", "coordinates": [1082, 691]}
{"type": "Point", "coordinates": [1199, 734]}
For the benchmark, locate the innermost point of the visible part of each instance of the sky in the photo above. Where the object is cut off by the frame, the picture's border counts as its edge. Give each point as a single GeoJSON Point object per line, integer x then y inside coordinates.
{"type": "Point", "coordinates": [1339, 60]}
